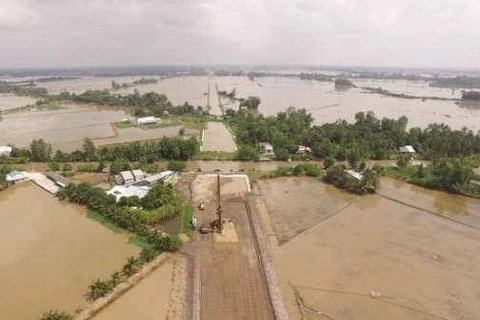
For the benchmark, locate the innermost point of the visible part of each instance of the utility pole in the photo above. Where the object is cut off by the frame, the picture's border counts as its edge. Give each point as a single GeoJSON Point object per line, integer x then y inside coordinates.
{"type": "Point", "coordinates": [219, 208]}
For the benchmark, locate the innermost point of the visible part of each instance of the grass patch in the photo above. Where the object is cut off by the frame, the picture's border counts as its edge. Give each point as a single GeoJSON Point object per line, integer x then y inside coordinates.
{"type": "Point", "coordinates": [124, 124]}
{"type": "Point", "coordinates": [102, 220]}
{"type": "Point", "coordinates": [193, 122]}
{"type": "Point", "coordinates": [187, 215]}
{"type": "Point", "coordinates": [141, 242]}
{"type": "Point", "coordinates": [215, 155]}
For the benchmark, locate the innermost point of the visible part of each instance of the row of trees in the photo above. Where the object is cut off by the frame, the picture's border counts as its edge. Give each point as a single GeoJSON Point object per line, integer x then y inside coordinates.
{"type": "Point", "coordinates": [367, 138]}
{"type": "Point", "coordinates": [22, 90]}
{"type": "Point", "coordinates": [150, 151]}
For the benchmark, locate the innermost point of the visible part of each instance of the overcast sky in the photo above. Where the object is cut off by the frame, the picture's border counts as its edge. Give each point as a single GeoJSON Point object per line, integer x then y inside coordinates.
{"type": "Point", "coordinates": [431, 33]}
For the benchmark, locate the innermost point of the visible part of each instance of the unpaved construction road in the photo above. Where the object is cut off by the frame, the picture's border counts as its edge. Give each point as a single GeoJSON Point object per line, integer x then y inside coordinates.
{"type": "Point", "coordinates": [231, 280]}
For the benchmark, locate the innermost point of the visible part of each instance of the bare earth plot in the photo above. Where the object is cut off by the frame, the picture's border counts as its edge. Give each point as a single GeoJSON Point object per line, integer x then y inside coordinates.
{"type": "Point", "coordinates": [218, 138]}
{"type": "Point", "coordinates": [138, 134]}
{"type": "Point", "coordinates": [232, 286]}
{"type": "Point", "coordinates": [375, 259]}
{"type": "Point", "coordinates": [50, 253]}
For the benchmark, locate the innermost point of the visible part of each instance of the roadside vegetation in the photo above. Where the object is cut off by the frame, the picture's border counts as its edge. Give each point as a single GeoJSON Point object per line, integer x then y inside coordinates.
{"type": "Point", "coordinates": [339, 177]}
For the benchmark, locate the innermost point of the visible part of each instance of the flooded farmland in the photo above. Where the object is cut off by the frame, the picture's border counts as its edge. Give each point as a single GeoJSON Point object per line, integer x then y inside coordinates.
{"type": "Point", "coordinates": [350, 257]}
{"type": "Point", "coordinates": [50, 253]}
{"type": "Point", "coordinates": [65, 128]}
{"type": "Point", "coordinates": [10, 101]}
{"type": "Point", "coordinates": [83, 84]}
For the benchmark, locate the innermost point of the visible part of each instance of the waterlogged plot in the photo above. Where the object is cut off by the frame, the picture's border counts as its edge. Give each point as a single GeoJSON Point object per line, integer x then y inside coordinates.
{"type": "Point", "coordinates": [50, 253]}
{"type": "Point", "coordinates": [374, 258]}
{"type": "Point", "coordinates": [65, 129]}
{"type": "Point", "coordinates": [10, 101]}
{"type": "Point", "coordinates": [83, 84]}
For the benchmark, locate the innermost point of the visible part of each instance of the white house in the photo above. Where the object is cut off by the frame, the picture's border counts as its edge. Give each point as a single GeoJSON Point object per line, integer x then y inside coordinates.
{"type": "Point", "coordinates": [265, 148]}
{"type": "Point", "coordinates": [5, 151]}
{"type": "Point", "coordinates": [17, 176]}
{"type": "Point", "coordinates": [128, 191]}
{"type": "Point", "coordinates": [147, 120]}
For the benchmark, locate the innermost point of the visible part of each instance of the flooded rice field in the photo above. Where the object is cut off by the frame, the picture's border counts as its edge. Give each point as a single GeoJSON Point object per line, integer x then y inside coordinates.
{"type": "Point", "coordinates": [83, 84]}
{"type": "Point", "coordinates": [10, 101]}
{"type": "Point", "coordinates": [50, 253]}
{"type": "Point", "coordinates": [349, 257]}
{"type": "Point", "coordinates": [65, 129]}
{"type": "Point", "coordinates": [196, 90]}
{"type": "Point", "coordinates": [217, 138]}
{"type": "Point", "coordinates": [328, 105]}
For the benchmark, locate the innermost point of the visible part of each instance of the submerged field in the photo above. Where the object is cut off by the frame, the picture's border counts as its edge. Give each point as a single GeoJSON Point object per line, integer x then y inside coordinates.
{"type": "Point", "coordinates": [50, 253]}
{"type": "Point", "coordinates": [10, 101]}
{"type": "Point", "coordinates": [64, 128]}
{"type": "Point", "coordinates": [362, 258]}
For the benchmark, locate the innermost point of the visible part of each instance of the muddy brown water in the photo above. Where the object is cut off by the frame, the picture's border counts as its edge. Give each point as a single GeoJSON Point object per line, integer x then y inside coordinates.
{"type": "Point", "coordinates": [342, 247]}
{"type": "Point", "coordinates": [50, 253]}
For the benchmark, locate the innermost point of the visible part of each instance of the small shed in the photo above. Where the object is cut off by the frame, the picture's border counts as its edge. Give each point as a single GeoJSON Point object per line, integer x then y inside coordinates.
{"type": "Point", "coordinates": [265, 148]}
{"type": "Point", "coordinates": [408, 149]}
{"type": "Point", "coordinates": [129, 176]}
{"type": "Point", "coordinates": [5, 151]}
{"type": "Point", "coordinates": [303, 149]}
{"type": "Point", "coordinates": [58, 178]}
{"type": "Point", "coordinates": [17, 176]}
{"type": "Point", "coordinates": [147, 120]}
{"type": "Point", "coordinates": [354, 174]}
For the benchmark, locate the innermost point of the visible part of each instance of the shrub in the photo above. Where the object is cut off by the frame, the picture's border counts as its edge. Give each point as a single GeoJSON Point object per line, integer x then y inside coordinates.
{"type": "Point", "coordinates": [56, 315]}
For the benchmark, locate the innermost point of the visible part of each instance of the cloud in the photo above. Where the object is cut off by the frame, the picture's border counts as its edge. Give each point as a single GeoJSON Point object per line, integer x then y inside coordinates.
{"type": "Point", "coordinates": [138, 32]}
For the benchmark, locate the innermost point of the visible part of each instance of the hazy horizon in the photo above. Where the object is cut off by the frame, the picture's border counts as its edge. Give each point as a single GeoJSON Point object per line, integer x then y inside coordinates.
{"type": "Point", "coordinates": [343, 33]}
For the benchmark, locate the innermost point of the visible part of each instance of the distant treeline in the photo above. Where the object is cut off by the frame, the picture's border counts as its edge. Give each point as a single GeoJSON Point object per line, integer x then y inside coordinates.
{"type": "Point", "coordinates": [19, 90]}
{"type": "Point", "coordinates": [471, 95]}
{"type": "Point", "coordinates": [117, 86]}
{"type": "Point", "coordinates": [466, 82]}
{"type": "Point", "coordinates": [387, 93]}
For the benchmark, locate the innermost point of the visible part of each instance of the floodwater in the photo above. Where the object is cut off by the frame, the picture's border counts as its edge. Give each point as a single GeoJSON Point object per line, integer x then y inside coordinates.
{"type": "Point", "coordinates": [50, 253]}
{"type": "Point", "coordinates": [422, 265]}
{"type": "Point", "coordinates": [65, 128]}
{"type": "Point", "coordinates": [11, 101]}
{"type": "Point", "coordinates": [83, 84]}
{"type": "Point", "coordinates": [328, 105]}
{"type": "Point", "coordinates": [196, 90]}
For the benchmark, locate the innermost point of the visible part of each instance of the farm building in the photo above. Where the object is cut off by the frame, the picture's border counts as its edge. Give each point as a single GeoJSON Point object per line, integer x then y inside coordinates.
{"type": "Point", "coordinates": [129, 177]}
{"type": "Point", "coordinates": [265, 148]}
{"type": "Point", "coordinates": [17, 176]}
{"type": "Point", "coordinates": [5, 151]}
{"type": "Point", "coordinates": [162, 176]}
{"type": "Point", "coordinates": [147, 120]}
{"type": "Point", "coordinates": [128, 191]}
{"type": "Point", "coordinates": [58, 178]}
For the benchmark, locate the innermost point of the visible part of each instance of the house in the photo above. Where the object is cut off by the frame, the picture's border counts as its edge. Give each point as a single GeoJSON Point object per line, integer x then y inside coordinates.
{"type": "Point", "coordinates": [407, 150]}
{"type": "Point", "coordinates": [129, 177]}
{"type": "Point", "coordinates": [355, 174]}
{"type": "Point", "coordinates": [17, 176]}
{"type": "Point", "coordinates": [5, 151]}
{"type": "Point", "coordinates": [265, 148]}
{"type": "Point", "coordinates": [58, 178]}
{"type": "Point", "coordinates": [147, 120]}
{"type": "Point", "coordinates": [128, 191]}
{"type": "Point", "coordinates": [303, 149]}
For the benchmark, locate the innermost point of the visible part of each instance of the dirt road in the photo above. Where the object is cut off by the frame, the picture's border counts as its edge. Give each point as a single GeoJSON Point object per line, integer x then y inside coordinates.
{"type": "Point", "coordinates": [232, 284]}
